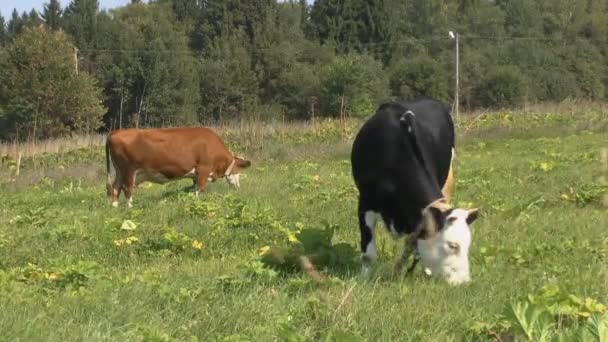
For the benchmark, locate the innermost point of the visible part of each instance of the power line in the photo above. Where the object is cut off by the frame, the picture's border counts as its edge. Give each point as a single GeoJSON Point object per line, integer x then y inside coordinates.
{"type": "Point", "coordinates": [364, 46]}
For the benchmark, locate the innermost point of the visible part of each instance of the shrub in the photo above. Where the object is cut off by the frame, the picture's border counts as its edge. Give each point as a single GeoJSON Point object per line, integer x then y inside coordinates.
{"type": "Point", "coordinates": [358, 80]}
{"type": "Point", "coordinates": [503, 86]}
{"type": "Point", "coordinates": [420, 76]}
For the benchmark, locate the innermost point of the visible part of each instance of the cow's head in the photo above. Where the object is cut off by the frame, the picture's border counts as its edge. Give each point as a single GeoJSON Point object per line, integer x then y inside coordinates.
{"type": "Point", "coordinates": [444, 240]}
{"type": "Point", "coordinates": [233, 170]}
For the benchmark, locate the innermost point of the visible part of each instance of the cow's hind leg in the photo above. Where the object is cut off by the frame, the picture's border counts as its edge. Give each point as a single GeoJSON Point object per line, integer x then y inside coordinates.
{"type": "Point", "coordinates": [128, 186]}
{"type": "Point", "coordinates": [115, 191]}
{"type": "Point", "coordinates": [116, 187]}
{"type": "Point", "coordinates": [367, 224]}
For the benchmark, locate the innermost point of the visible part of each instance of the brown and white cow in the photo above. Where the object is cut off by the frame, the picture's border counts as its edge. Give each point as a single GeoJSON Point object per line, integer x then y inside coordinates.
{"type": "Point", "coordinates": [167, 154]}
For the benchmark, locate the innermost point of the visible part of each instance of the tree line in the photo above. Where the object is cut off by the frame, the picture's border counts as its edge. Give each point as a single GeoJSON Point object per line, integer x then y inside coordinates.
{"type": "Point", "coordinates": [183, 62]}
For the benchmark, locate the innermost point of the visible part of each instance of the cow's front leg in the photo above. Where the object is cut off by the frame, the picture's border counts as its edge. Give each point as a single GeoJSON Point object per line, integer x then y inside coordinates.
{"type": "Point", "coordinates": [367, 223]}
{"type": "Point", "coordinates": [202, 178]}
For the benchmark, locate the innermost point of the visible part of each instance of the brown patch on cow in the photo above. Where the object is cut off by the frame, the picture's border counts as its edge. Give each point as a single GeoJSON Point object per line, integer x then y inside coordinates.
{"type": "Point", "coordinates": [428, 226]}
{"type": "Point", "coordinates": [166, 154]}
{"type": "Point", "coordinates": [448, 187]}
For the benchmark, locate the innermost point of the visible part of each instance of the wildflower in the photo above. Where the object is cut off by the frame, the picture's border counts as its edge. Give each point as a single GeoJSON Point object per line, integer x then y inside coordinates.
{"type": "Point", "coordinates": [128, 225]}
{"type": "Point", "coordinates": [131, 240]}
{"type": "Point", "coordinates": [264, 250]}
{"type": "Point", "coordinates": [292, 237]}
{"type": "Point", "coordinates": [464, 204]}
{"type": "Point", "coordinates": [51, 276]}
{"type": "Point", "coordinates": [197, 244]}
{"type": "Point", "coordinates": [118, 242]}
{"type": "Point", "coordinates": [546, 166]}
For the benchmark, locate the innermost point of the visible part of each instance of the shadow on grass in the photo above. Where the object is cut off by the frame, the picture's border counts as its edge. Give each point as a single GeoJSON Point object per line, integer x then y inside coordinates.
{"type": "Point", "coordinates": [311, 251]}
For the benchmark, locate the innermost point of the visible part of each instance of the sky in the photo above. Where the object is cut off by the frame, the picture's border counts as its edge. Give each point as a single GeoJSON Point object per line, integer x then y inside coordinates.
{"type": "Point", "coordinates": [6, 6]}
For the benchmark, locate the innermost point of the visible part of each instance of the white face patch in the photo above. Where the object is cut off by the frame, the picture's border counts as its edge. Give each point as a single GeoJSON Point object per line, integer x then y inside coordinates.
{"type": "Point", "coordinates": [446, 254]}
{"type": "Point", "coordinates": [233, 179]}
{"type": "Point", "coordinates": [191, 173]}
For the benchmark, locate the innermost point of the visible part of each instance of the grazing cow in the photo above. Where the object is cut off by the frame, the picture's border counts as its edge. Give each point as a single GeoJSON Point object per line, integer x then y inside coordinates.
{"type": "Point", "coordinates": [167, 154]}
{"type": "Point", "coordinates": [402, 166]}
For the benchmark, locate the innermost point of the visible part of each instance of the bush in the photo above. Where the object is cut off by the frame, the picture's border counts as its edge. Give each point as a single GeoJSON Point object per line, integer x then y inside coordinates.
{"type": "Point", "coordinates": [503, 86]}
{"type": "Point", "coordinates": [420, 76]}
{"type": "Point", "coordinates": [555, 85]}
{"type": "Point", "coordinates": [358, 80]}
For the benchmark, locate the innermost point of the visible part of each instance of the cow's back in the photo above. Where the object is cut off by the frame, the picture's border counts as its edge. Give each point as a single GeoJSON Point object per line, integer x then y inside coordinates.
{"type": "Point", "coordinates": [148, 147]}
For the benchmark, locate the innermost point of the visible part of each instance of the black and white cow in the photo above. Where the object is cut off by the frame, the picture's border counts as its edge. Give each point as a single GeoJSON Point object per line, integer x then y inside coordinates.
{"type": "Point", "coordinates": [402, 166]}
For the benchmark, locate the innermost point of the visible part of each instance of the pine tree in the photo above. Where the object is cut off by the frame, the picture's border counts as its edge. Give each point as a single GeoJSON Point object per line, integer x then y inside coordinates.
{"type": "Point", "coordinates": [52, 14]}
{"type": "Point", "coordinates": [15, 24]}
{"type": "Point", "coordinates": [3, 33]}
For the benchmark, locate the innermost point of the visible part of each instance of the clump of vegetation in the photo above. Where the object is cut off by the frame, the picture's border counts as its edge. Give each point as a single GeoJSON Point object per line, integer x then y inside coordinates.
{"type": "Point", "coordinates": [549, 315]}
{"type": "Point", "coordinates": [309, 249]}
{"type": "Point", "coordinates": [72, 276]}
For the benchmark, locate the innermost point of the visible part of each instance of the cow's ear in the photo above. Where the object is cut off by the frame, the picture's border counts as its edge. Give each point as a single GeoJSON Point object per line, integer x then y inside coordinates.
{"type": "Point", "coordinates": [472, 215]}
{"type": "Point", "coordinates": [437, 215]}
{"type": "Point", "coordinates": [242, 163]}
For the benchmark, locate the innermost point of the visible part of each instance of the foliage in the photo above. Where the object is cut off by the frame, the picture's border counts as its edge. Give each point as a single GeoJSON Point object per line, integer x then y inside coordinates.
{"type": "Point", "coordinates": [503, 86]}
{"type": "Point", "coordinates": [51, 14]}
{"type": "Point", "coordinates": [419, 76]}
{"type": "Point", "coordinates": [550, 315]}
{"type": "Point", "coordinates": [43, 96]}
{"type": "Point", "coordinates": [184, 62]}
{"type": "Point", "coordinates": [352, 85]}
{"type": "Point", "coordinates": [157, 85]}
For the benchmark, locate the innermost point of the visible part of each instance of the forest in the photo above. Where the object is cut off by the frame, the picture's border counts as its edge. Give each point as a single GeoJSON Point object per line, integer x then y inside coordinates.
{"type": "Point", "coordinates": [79, 69]}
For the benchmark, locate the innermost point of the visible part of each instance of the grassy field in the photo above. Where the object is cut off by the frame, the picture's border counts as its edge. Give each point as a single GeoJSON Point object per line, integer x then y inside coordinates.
{"type": "Point", "coordinates": [222, 267]}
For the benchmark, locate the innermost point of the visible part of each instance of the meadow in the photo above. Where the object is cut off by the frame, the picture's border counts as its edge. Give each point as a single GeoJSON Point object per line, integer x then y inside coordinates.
{"type": "Point", "coordinates": [224, 266]}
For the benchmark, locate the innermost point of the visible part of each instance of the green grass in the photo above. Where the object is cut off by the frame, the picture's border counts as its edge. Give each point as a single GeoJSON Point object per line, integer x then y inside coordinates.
{"type": "Point", "coordinates": [67, 274]}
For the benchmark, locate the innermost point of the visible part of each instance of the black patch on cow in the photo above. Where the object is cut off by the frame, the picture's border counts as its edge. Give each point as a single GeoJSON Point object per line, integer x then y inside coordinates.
{"type": "Point", "coordinates": [400, 162]}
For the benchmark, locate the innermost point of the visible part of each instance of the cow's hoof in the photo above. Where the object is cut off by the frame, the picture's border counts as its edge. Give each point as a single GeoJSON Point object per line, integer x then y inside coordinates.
{"type": "Point", "coordinates": [114, 204]}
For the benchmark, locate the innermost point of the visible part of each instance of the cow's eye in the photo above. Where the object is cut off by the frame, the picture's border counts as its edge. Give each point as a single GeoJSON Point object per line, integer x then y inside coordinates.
{"type": "Point", "coordinates": [454, 246]}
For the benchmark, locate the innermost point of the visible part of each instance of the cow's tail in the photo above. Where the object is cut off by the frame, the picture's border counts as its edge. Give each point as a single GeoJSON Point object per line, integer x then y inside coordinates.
{"type": "Point", "coordinates": [407, 120]}
{"type": "Point", "coordinates": [109, 168]}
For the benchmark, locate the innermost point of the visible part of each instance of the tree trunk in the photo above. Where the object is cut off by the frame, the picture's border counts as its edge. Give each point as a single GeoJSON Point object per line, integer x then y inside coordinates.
{"type": "Point", "coordinates": [120, 108]}
{"type": "Point", "coordinates": [141, 104]}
